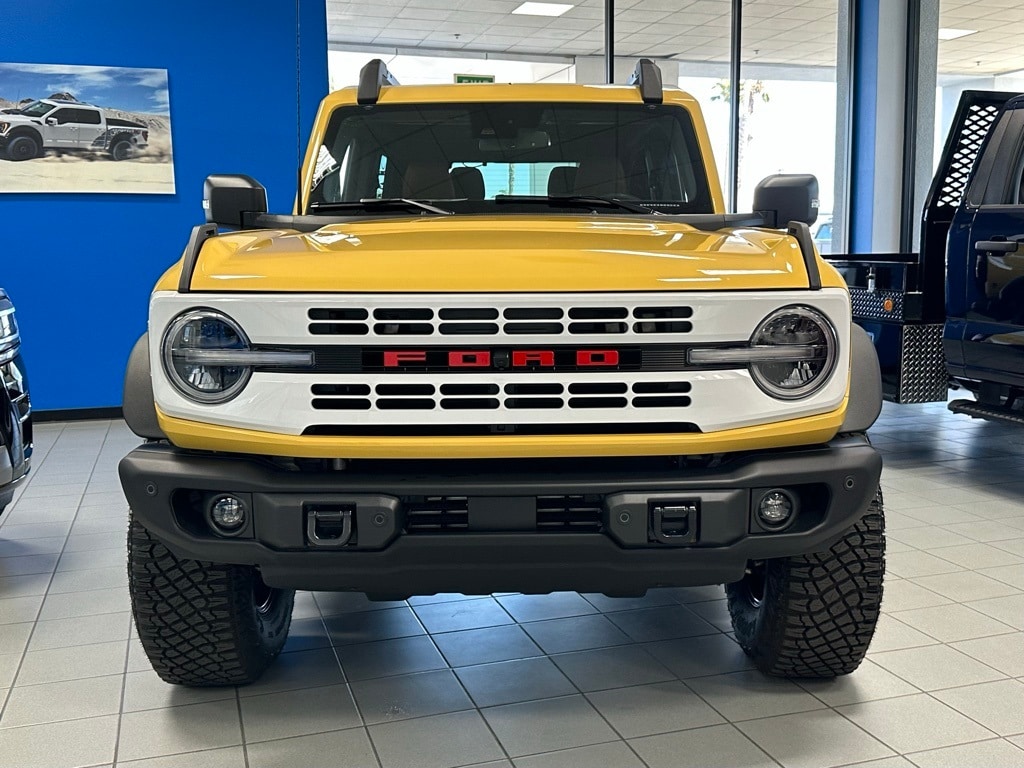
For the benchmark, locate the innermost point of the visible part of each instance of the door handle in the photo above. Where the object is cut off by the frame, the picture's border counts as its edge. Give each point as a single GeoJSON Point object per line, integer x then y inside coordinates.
{"type": "Point", "coordinates": [996, 246]}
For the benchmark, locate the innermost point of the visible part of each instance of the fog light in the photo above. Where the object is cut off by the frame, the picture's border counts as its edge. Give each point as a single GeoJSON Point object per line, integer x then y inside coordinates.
{"type": "Point", "coordinates": [775, 509]}
{"type": "Point", "coordinates": [227, 513]}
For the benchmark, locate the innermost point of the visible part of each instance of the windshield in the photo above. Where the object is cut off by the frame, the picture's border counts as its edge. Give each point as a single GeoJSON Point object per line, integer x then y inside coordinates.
{"type": "Point", "coordinates": [472, 155]}
{"type": "Point", "coordinates": [36, 109]}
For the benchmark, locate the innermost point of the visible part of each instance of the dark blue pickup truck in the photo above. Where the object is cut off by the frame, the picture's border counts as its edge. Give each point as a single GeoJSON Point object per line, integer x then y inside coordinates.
{"type": "Point", "coordinates": [15, 407]}
{"type": "Point", "coordinates": [953, 314]}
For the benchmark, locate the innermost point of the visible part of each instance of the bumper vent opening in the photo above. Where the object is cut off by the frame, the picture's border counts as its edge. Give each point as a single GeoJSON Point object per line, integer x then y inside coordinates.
{"type": "Point", "coordinates": [579, 514]}
{"type": "Point", "coordinates": [437, 514]}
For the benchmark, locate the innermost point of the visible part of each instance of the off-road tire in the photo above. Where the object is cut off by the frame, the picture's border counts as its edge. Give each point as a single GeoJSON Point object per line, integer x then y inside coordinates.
{"type": "Point", "coordinates": [23, 147]}
{"type": "Point", "coordinates": [200, 623]}
{"type": "Point", "coordinates": [813, 616]}
{"type": "Point", "coordinates": [121, 149]}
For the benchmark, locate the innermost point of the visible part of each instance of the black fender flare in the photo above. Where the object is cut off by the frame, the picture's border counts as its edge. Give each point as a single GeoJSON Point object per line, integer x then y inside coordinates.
{"type": "Point", "coordinates": [865, 401]}
{"type": "Point", "coordinates": [138, 404]}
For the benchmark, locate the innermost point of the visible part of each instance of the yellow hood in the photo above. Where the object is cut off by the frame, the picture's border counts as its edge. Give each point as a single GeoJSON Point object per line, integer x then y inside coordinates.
{"type": "Point", "coordinates": [502, 253]}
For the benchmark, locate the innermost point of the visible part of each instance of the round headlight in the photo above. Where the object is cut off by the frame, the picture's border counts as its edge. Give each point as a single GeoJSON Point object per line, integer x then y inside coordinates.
{"type": "Point", "coordinates": [186, 355]}
{"type": "Point", "coordinates": [813, 342]}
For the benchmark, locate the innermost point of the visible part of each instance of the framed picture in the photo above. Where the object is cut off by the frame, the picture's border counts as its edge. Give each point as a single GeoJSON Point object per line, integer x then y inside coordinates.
{"type": "Point", "coordinates": [66, 128]}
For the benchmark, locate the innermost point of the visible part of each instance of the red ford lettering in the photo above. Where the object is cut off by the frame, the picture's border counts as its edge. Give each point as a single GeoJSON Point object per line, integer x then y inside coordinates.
{"type": "Point", "coordinates": [469, 359]}
{"type": "Point", "coordinates": [597, 357]}
{"type": "Point", "coordinates": [402, 357]}
{"type": "Point", "coordinates": [544, 358]}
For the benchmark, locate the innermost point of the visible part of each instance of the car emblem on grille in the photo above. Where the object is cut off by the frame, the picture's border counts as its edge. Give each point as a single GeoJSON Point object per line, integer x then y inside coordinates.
{"type": "Point", "coordinates": [501, 359]}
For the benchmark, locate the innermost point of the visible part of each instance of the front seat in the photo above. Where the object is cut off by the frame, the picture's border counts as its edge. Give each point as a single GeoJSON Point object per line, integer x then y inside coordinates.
{"type": "Point", "coordinates": [599, 176]}
{"type": "Point", "coordinates": [425, 179]}
{"type": "Point", "coordinates": [468, 183]}
{"type": "Point", "coordinates": [561, 180]}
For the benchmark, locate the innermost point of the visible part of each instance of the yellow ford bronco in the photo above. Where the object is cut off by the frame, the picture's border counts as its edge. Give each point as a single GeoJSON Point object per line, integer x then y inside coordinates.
{"type": "Point", "coordinates": [508, 340]}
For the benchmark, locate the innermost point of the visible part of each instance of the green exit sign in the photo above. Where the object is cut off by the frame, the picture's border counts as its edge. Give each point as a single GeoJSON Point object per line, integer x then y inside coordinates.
{"type": "Point", "coordinates": [474, 78]}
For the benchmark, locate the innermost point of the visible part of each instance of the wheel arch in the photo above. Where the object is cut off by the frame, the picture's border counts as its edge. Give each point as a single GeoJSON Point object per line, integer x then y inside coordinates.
{"type": "Point", "coordinates": [138, 402]}
{"type": "Point", "coordinates": [865, 401]}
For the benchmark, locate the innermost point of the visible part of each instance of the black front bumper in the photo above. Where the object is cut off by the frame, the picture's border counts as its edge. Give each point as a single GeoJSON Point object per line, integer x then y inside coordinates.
{"type": "Point", "coordinates": [15, 426]}
{"type": "Point", "coordinates": [618, 527]}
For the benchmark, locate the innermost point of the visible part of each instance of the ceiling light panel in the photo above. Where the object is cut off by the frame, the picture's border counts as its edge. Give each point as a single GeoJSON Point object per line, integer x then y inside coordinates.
{"type": "Point", "coordinates": [542, 9]}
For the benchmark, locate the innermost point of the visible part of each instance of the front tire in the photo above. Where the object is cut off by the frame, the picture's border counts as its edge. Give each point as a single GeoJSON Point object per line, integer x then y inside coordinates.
{"type": "Point", "coordinates": [23, 148]}
{"type": "Point", "coordinates": [813, 616]}
{"type": "Point", "coordinates": [201, 623]}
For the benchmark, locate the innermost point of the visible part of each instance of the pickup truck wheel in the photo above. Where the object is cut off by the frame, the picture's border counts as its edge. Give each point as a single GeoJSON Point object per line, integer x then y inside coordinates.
{"type": "Point", "coordinates": [121, 150]}
{"type": "Point", "coordinates": [200, 623]}
{"type": "Point", "coordinates": [813, 616]}
{"type": "Point", "coordinates": [23, 148]}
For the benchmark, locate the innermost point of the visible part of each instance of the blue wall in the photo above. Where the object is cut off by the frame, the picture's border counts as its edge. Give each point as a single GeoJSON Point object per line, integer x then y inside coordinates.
{"type": "Point", "coordinates": [865, 94]}
{"type": "Point", "coordinates": [245, 79]}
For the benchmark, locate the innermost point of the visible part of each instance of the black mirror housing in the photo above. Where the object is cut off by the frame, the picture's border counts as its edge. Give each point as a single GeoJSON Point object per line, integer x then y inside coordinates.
{"type": "Point", "coordinates": [233, 200]}
{"type": "Point", "coordinates": [785, 197]}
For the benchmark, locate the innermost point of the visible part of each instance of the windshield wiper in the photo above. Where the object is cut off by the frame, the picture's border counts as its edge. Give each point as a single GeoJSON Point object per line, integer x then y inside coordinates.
{"type": "Point", "coordinates": [373, 202]}
{"type": "Point", "coordinates": [575, 200]}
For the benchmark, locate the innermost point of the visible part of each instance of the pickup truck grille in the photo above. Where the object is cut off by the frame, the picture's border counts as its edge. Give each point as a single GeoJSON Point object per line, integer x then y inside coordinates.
{"type": "Point", "coordinates": [513, 321]}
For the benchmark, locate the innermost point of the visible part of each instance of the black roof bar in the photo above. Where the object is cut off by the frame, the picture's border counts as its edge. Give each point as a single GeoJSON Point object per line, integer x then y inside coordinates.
{"type": "Point", "coordinates": [371, 78]}
{"type": "Point", "coordinates": [648, 77]}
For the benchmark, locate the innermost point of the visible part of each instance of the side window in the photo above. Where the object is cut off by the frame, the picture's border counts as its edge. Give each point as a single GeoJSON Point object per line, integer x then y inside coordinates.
{"type": "Point", "coordinates": [87, 116]}
{"type": "Point", "coordinates": [63, 116]}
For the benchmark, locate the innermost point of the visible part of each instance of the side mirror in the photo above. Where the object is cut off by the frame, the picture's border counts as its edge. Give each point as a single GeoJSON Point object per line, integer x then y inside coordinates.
{"type": "Point", "coordinates": [786, 197]}
{"type": "Point", "coordinates": [51, 121]}
{"type": "Point", "coordinates": [233, 200]}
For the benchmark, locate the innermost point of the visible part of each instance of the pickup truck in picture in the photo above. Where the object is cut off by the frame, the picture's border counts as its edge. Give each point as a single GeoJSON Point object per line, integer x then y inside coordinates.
{"type": "Point", "coordinates": [68, 126]}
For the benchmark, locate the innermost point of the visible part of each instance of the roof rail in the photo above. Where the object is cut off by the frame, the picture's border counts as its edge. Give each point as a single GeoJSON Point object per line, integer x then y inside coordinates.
{"type": "Point", "coordinates": [371, 78]}
{"type": "Point", "coordinates": [648, 77]}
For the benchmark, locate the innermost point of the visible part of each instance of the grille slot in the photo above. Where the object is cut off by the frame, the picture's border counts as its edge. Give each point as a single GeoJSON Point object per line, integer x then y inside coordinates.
{"type": "Point", "coordinates": [346, 313]}
{"type": "Point", "coordinates": [675, 326]}
{"type": "Point", "coordinates": [569, 513]}
{"type": "Point", "coordinates": [339, 329]}
{"type": "Point", "coordinates": [534, 389]}
{"type": "Point", "coordinates": [659, 313]}
{"type": "Point", "coordinates": [468, 313]}
{"type": "Point", "coordinates": [595, 328]}
{"type": "Point", "coordinates": [387, 390]}
{"type": "Point", "coordinates": [661, 401]}
{"type": "Point", "coordinates": [403, 313]}
{"type": "Point", "coordinates": [346, 404]}
{"type": "Point", "coordinates": [468, 329]}
{"type": "Point", "coordinates": [403, 329]}
{"type": "Point", "coordinates": [533, 313]}
{"type": "Point", "coordinates": [437, 514]}
{"type": "Point", "coordinates": [470, 403]}
{"type": "Point", "coordinates": [597, 388]}
{"type": "Point", "coordinates": [533, 329]}
{"type": "Point", "coordinates": [598, 313]}
{"type": "Point", "coordinates": [341, 389]}
{"type": "Point", "coordinates": [649, 387]}
{"type": "Point", "coordinates": [469, 389]}
{"type": "Point", "coordinates": [533, 402]}
{"type": "Point", "coordinates": [405, 404]}
{"type": "Point", "coordinates": [597, 402]}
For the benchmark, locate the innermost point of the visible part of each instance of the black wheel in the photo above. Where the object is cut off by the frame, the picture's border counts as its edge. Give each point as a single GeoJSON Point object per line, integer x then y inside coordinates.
{"type": "Point", "coordinates": [814, 615]}
{"type": "Point", "coordinates": [121, 150]}
{"type": "Point", "coordinates": [23, 148]}
{"type": "Point", "coordinates": [202, 623]}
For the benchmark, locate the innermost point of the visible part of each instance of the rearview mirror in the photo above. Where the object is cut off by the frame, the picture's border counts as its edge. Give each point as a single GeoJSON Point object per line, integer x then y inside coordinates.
{"type": "Point", "coordinates": [524, 139]}
{"type": "Point", "coordinates": [233, 200]}
{"type": "Point", "coordinates": [785, 197]}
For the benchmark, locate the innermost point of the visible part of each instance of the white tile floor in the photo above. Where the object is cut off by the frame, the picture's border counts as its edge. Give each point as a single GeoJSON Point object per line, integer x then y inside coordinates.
{"type": "Point", "coordinates": [535, 682]}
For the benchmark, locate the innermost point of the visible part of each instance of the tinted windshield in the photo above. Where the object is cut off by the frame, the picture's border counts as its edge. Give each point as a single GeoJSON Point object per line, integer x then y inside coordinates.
{"type": "Point", "coordinates": [36, 109]}
{"type": "Point", "coordinates": [470, 154]}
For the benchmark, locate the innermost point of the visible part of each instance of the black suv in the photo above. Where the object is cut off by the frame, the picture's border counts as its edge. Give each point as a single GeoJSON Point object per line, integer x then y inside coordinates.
{"type": "Point", "coordinates": [15, 408]}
